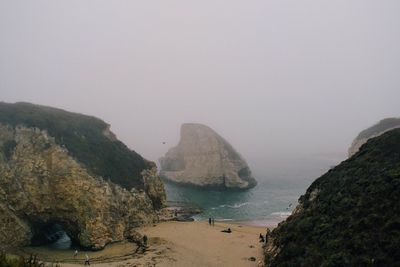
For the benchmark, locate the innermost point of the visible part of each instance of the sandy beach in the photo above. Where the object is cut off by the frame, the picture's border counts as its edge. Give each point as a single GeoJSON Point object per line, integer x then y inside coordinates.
{"type": "Point", "coordinates": [198, 244]}
{"type": "Point", "coordinates": [177, 244]}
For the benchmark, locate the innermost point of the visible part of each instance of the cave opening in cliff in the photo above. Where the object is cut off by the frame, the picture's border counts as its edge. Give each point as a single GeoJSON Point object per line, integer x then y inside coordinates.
{"type": "Point", "coordinates": [52, 235]}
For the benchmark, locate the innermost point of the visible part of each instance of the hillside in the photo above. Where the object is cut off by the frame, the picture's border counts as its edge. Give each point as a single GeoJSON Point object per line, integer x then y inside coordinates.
{"type": "Point", "coordinates": [87, 138]}
{"type": "Point", "coordinates": [350, 216]}
{"type": "Point", "coordinates": [381, 126]}
{"type": "Point", "coordinates": [373, 131]}
{"type": "Point", "coordinates": [62, 171]}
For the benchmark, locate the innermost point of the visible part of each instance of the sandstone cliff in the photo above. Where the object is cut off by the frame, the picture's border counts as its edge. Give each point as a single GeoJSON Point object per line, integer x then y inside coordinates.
{"type": "Point", "coordinates": [373, 131]}
{"type": "Point", "coordinates": [42, 184]}
{"type": "Point", "coordinates": [350, 216]}
{"type": "Point", "coordinates": [203, 158]}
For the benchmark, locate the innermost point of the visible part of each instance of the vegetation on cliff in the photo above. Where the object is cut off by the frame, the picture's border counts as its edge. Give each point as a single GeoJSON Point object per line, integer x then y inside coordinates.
{"type": "Point", "coordinates": [7, 260]}
{"type": "Point", "coordinates": [87, 139]}
{"type": "Point", "coordinates": [350, 216]}
{"type": "Point", "coordinates": [381, 126]}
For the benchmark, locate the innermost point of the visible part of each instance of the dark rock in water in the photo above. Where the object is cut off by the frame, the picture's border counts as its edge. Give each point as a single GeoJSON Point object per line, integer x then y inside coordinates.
{"type": "Point", "coordinates": [62, 169]}
{"type": "Point", "coordinates": [180, 211]}
{"type": "Point", "coordinates": [184, 218]}
{"type": "Point", "coordinates": [350, 216]}
{"type": "Point", "coordinates": [204, 159]}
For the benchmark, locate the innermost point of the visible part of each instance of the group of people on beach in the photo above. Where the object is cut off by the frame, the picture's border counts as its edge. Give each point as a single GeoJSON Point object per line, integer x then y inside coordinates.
{"type": "Point", "coordinates": [262, 239]}
{"type": "Point", "coordinates": [211, 222]}
{"type": "Point", "coordinates": [87, 258]}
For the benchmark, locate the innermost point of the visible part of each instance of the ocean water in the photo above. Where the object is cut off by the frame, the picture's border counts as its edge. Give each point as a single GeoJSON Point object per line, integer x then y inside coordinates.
{"type": "Point", "coordinates": [280, 184]}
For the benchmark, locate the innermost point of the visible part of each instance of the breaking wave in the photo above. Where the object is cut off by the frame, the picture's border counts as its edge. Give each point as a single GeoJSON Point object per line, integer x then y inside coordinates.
{"type": "Point", "coordinates": [282, 214]}
{"type": "Point", "coordinates": [237, 205]}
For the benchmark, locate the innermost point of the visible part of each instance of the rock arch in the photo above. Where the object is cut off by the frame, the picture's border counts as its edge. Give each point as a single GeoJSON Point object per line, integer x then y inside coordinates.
{"type": "Point", "coordinates": [42, 185]}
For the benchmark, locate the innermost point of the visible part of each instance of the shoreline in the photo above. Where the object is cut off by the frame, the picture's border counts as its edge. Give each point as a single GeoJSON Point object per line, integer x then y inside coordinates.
{"type": "Point", "coordinates": [189, 212]}
{"type": "Point", "coordinates": [266, 223]}
{"type": "Point", "coordinates": [269, 223]}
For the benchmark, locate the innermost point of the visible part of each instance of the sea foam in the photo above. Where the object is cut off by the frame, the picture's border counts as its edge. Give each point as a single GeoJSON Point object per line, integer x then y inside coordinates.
{"type": "Point", "coordinates": [282, 214]}
{"type": "Point", "coordinates": [237, 205]}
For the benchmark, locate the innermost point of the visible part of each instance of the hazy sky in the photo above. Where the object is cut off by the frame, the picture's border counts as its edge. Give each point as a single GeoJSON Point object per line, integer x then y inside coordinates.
{"type": "Point", "coordinates": [275, 78]}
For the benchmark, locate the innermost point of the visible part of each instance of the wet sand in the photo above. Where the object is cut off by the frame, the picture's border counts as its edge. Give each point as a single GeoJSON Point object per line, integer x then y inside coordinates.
{"type": "Point", "coordinates": [176, 244]}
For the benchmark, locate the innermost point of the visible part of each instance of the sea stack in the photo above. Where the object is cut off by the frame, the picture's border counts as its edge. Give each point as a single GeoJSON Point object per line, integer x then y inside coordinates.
{"type": "Point", "coordinates": [373, 131]}
{"type": "Point", "coordinates": [205, 159]}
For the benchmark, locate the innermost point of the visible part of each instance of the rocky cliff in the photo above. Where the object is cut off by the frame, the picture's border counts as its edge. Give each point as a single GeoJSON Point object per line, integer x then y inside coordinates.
{"type": "Point", "coordinates": [373, 131]}
{"type": "Point", "coordinates": [51, 173]}
{"type": "Point", "coordinates": [350, 216]}
{"type": "Point", "coordinates": [203, 158]}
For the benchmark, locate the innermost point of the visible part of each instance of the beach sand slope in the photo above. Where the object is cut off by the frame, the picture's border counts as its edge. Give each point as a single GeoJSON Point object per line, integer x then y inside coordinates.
{"type": "Point", "coordinates": [198, 244]}
{"type": "Point", "coordinates": [179, 244]}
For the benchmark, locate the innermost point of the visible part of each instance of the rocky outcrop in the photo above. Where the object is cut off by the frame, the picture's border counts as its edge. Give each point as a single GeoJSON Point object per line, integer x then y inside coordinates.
{"type": "Point", "coordinates": [42, 184]}
{"type": "Point", "coordinates": [154, 188]}
{"type": "Point", "coordinates": [350, 216]}
{"type": "Point", "coordinates": [373, 131]}
{"type": "Point", "coordinates": [203, 158]}
{"type": "Point", "coordinates": [87, 139]}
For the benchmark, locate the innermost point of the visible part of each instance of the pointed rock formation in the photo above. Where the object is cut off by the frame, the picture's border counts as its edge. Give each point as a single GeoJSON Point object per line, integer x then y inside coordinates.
{"type": "Point", "coordinates": [205, 159]}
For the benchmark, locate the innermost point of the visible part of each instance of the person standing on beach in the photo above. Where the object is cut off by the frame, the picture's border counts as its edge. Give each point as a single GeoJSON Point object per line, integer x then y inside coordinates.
{"type": "Point", "coordinates": [75, 253]}
{"type": "Point", "coordinates": [87, 260]}
{"type": "Point", "coordinates": [261, 238]}
{"type": "Point", "coordinates": [213, 221]}
{"type": "Point", "coordinates": [266, 236]}
{"type": "Point", "coordinates": [209, 221]}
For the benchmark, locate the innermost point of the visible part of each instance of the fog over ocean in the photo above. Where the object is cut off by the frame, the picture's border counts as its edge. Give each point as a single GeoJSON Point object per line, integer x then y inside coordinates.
{"type": "Point", "coordinates": [280, 183]}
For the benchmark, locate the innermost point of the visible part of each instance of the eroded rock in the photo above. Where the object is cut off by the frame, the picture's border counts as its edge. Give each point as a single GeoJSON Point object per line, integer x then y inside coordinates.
{"type": "Point", "coordinates": [43, 184]}
{"type": "Point", "coordinates": [203, 158]}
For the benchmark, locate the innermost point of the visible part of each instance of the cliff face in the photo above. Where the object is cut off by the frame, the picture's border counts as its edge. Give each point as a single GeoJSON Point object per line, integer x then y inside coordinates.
{"type": "Point", "coordinates": [87, 139]}
{"type": "Point", "coordinates": [373, 131]}
{"type": "Point", "coordinates": [43, 184]}
{"type": "Point", "coordinates": [350, 216]}
{"type": "Point", "coordinates": [203, 158]}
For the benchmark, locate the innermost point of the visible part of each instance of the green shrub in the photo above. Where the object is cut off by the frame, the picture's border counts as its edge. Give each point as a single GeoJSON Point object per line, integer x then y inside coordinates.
{"type": "Point", "coordinates": [7, 260]}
